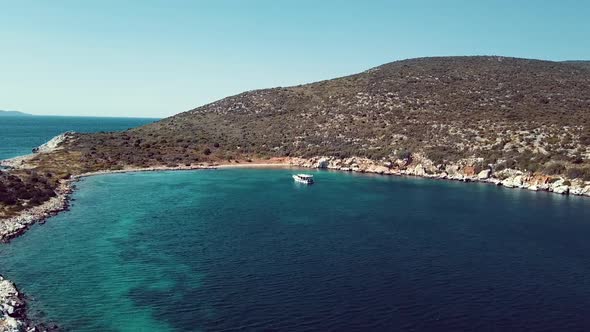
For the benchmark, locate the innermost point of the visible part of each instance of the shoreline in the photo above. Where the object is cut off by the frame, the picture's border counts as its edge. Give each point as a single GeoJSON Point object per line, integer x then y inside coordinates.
{"type": "Point", "coordinates": [256, 165]}
{"type": "Point", "coordinates": [13, 304]}
{"type": "Point", "coordinates": [17, 225]}
{"type": "Point", "coordinates": [13, 313]}
{"type": "Point", "coordinates": [509, 178]}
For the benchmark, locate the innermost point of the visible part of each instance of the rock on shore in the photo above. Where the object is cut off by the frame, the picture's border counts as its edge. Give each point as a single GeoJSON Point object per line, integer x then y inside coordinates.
{"type": "Point", "coordinates": [53, 144]}
{"type": "Point", "coordinates": [12, 308]}
{"type": "Point", "coordinates": [13, 311]}
{"type": "Point", "coordinates": [460, 171]}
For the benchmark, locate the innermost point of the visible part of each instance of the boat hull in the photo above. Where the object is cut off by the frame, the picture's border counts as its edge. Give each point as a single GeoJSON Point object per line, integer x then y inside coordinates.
{"type": "Point", "coordinates": [302, 180]}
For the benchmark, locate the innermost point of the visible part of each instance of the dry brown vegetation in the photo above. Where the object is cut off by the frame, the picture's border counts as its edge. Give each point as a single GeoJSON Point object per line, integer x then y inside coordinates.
{"type": "Point", "coordinates": [526, 112]}
{"type": "Point", "coordinates": [22, 189]}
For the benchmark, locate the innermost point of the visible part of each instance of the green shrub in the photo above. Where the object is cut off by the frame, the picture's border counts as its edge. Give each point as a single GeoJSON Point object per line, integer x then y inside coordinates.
{"type": "Point", "coordinates": [577, 160]}
{"type": "Point", "coordinates": [480, 166]}
{"type": "Point", "coordinates": [404, 154]}
{"type": "Point", "coordinates": [578, 173]}
{"type": "Point", "coordinates": [554, 168]}
{"type": "Point", "coordinates": [585, 139]}
{"type": "Point", "coordinates": [500, 167]}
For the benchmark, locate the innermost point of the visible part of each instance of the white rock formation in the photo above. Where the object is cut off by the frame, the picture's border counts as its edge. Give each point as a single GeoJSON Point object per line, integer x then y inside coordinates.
{"type": "Point", "coordinates": [53, 143]}
{"type": "Point", "coordinates": [420, 166]}
{"type": "Point", "coordinates": [11, 306]}
{"type": "Point", "coordinates": [484, 174]}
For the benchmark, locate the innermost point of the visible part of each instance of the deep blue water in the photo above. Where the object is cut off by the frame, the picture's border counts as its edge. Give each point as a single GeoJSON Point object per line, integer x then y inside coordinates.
{"type": "Point", "coordinates": [243, 249]}
{"type": "Point", "coordinates": [20, 134]}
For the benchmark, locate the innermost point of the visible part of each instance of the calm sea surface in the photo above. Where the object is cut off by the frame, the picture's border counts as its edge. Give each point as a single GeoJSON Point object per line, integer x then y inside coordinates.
{"type": "Point", "coordinates": [18, 135]}
{"type": "Point", "coordinates": [240, 249]}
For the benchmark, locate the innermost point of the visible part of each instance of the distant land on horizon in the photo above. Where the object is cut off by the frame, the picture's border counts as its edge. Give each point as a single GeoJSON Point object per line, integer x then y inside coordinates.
{"type": "Point", "coordinates": [13, 113]}
{"type": "Point", "coordinates": [22, 114]}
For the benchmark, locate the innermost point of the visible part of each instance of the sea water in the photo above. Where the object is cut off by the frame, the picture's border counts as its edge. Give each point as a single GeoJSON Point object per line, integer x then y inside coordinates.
{"type": "Point", "coordinates": [20, 134]}
{"type": "Point", "coordinates": [249, 249]}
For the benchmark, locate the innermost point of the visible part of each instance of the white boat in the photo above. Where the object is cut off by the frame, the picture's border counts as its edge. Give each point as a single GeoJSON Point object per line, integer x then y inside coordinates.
{"type": "Point", "coordinates": [303, 178]}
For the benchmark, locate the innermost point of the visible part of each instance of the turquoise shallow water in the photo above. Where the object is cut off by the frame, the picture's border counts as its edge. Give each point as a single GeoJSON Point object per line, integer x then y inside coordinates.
{"type": "Point", "coordinates": [18, 135]}
{"type": "Point", "coordinates": [240, 249]}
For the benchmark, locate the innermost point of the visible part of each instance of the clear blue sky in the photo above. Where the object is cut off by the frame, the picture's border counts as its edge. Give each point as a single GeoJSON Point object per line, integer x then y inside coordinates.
{"type": "Point", "coordinates": [158, 58]}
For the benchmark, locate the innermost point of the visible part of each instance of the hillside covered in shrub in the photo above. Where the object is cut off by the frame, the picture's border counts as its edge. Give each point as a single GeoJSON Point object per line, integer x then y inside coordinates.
{"type": "Point", "coordinates": [523, 114]}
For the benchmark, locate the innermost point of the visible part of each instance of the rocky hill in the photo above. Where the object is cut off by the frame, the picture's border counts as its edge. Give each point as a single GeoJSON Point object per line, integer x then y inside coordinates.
{"type": "Point", "coordinates": [525, 112]}
{"type": "Point", "coordinates": [481, 112]}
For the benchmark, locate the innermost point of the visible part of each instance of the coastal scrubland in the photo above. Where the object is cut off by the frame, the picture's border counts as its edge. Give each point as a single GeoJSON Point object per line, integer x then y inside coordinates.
{"type": "Point", "coordinates": [496, 112]}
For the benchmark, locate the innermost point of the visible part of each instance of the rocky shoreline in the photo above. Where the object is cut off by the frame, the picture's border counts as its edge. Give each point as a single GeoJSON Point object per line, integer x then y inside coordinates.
{"type": "Point", "coordinates": [13, 306]}
{"type": "Point", "coordinates": [21, 162]}
{"type": "Point", "coordinates": [13, 311]}
{"type": "Point", "coordinates": [17, 225]}
{"type": "Point", "coordinates": [461, 171]}
{"type": "Point", "coordinates": [418, 166]}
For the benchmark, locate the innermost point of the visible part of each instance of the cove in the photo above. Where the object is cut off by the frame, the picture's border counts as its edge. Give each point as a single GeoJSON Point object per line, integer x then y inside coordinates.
{"type": "Point", "coordinates": [245, 249]}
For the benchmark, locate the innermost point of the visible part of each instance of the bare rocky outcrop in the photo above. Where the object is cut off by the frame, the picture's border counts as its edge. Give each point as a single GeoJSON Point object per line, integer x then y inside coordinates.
{"type": "Point", "coordinates": [54, 143]}
{"type": "Point", "coordinates": [13, 311]}
{"type": "Point", "coordinates": [22, 162]}
{"type": "Point", "coordinates": [485, 174]}
{"type": "Point", "coordinates": [12, 308]}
